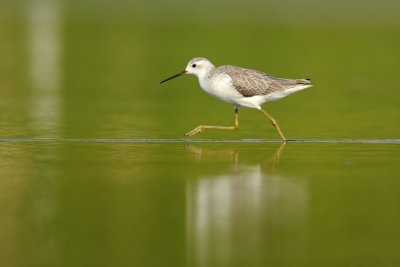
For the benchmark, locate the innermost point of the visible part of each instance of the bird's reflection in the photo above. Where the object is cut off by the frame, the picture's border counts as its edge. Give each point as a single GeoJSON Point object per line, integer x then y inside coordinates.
{"type": "Point", "coordinates": [204, 154]}
{"type": "Point", "coordinates": [232, 215]}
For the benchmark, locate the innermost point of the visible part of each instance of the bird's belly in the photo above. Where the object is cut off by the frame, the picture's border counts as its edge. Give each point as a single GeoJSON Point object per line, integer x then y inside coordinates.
{"type": "Point", "coordinates": [222, 90]}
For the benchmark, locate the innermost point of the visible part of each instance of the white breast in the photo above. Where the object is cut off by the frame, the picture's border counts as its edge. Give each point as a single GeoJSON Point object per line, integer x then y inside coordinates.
{"type": "Point", "coordinates": [220, 86]}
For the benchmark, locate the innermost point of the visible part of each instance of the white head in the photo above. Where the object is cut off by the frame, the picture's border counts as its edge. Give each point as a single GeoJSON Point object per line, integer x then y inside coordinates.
{"type": "Point", "coordinates": [197, 66]}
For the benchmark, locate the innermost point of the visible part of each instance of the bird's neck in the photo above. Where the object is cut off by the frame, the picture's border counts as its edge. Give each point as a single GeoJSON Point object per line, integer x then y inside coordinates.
{"type": "Point", "coordinates": [203, 75]}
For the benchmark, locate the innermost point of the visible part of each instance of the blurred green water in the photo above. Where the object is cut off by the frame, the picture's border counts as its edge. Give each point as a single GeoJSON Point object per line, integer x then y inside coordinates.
{"type": "Point", "coordinates": [108, 82]}
{"type": "Point", "coordinates": [92, 70]}
{"type": "Point", "coordinates": [199, 205]}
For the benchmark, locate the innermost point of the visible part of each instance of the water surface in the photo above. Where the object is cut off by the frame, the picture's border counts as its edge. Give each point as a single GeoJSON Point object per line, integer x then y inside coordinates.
{"type": "Point", "coordinates": [199, 204]}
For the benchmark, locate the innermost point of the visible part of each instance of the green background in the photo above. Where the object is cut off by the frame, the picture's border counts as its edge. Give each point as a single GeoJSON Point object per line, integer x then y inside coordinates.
{"type": "Point", "coordinates": [91, 69]}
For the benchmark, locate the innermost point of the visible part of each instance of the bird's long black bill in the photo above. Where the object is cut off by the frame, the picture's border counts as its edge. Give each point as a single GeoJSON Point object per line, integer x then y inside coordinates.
{"type": "Point", "coordinates": [175, 76]}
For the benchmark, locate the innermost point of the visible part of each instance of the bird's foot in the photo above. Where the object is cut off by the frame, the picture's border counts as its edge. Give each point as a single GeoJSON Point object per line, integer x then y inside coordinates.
{"type": "Point", "coordinates": [196, 130]}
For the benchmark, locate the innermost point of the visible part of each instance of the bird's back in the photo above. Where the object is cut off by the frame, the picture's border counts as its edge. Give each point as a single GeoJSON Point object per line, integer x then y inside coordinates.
{"type": "Point", "coordinates": [250, 82]}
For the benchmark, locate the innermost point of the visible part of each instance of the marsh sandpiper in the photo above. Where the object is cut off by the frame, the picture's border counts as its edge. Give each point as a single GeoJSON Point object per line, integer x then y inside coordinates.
{"type": "Point", "coordinates": [240, 87]}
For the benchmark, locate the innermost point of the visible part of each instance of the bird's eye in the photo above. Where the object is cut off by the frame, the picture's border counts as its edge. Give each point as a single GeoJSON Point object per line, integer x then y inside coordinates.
{"type": "Point", "coordinates": [194, 65]}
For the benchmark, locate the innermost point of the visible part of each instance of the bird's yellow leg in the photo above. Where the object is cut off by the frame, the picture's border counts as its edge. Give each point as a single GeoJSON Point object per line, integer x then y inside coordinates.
{"type": "Point", "coordinates": [274, 123]}
{"type": "Point", "coordinates": [201, 128]}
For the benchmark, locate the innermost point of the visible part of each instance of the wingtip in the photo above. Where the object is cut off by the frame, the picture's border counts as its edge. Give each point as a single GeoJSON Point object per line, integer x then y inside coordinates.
{"type": "Point", "coordinates": [304, 81]}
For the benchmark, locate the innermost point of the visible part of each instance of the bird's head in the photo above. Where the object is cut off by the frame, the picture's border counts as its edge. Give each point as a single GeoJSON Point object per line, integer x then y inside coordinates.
{"type": "Point", "coordinates": [197, 66]}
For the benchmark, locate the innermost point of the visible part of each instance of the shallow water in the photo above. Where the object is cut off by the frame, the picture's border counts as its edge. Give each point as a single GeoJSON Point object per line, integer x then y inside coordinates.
{"type": "Point", "coordinates": [199, 204]}
{"type": "Point", "coordinates": [94, 169]}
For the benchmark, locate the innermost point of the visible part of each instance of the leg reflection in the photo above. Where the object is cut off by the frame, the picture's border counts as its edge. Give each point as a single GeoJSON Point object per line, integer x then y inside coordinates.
{"type": "Point", "coordinates": [234, 215]}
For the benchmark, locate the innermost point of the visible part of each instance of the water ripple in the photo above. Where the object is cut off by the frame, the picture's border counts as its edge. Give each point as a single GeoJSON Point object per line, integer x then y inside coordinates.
{"type": "Point", "coordinates": [163, 140]}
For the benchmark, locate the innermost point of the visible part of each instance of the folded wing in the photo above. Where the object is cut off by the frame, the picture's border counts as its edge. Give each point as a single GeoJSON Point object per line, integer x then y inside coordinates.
{"type": "Point", "coordinates": [252, 82]}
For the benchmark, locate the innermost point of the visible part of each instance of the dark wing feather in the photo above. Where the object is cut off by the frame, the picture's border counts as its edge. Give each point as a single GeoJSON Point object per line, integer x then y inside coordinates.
{"type": "Point", "coordinates": [252, 82]}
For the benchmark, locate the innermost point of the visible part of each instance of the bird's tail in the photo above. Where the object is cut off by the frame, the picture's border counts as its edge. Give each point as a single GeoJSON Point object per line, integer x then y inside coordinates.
{"type": "Point", "coordinates": [303, 81]}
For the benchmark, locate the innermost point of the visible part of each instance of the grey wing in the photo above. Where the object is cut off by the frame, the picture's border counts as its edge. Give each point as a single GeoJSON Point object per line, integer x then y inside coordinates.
{"type": "Point", "coordinates": [252, 82]}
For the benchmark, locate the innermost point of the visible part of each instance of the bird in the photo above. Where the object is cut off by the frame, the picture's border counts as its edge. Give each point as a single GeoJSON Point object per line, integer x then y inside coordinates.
{"type": "Point", "coordinates": [240, 87]}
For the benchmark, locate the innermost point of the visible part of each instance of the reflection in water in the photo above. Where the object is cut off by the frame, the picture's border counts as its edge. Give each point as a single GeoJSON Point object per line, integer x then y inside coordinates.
{"type": "Point", "coordinates": [28, 188]}
{"type": "Point", "coordinates": [232, 216]}
{"type": "Point", "coordinates": [44, 26]}
{"type": "Point", "coordinates": [44, 29]}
